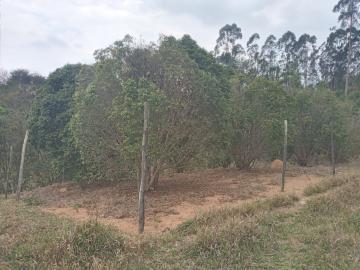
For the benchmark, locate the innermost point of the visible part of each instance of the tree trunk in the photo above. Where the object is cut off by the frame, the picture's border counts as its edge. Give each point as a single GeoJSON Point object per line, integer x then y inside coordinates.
{"type": "Point", "coordinates": [143, 169]}
{"type": "Point", "coordinates": [21, 170]}
{"type": "Point", "coordinates": [8, 172]}
{"type": "Point", "coordinates": [347, 76]}
{"type": "Point", "coordinates": [154, 176]}
{"type": "Point", "coordinates": [306, 73]}
{"type": "Point", "coordinates": [284, 157]}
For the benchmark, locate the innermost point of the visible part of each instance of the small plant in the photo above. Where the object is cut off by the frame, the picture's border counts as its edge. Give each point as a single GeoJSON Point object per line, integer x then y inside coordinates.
{"type": "Point", "coordinates": [76, 206]}
{"type": "Point", "coordinates": [95, 240]}
{"type": "Point", "coordinates": [32, 201]}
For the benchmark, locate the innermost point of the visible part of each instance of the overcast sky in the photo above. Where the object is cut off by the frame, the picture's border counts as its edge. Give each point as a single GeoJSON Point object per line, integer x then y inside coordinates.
{"type": "Point", "coordinates": [41, 35]}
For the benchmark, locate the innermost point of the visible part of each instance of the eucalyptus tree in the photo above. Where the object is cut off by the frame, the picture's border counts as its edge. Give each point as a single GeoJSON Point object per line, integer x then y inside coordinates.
{"type": "Point", "coordinates": [334, 58]}
{"type": "Point", "coordinates": [228, 48]}
{"type": "Point", "coordinates": [253, 54]}
{"type": "Point", "coordinates": [349, 18]}
{"type": "Point", "coordinates": [3, 76]}
{"type": "Point", "coordinates": [287, 60]}
{"type": "Point", "coordinates": [306, 56]}
{"type": "Point", "coordinates": [269, 59]}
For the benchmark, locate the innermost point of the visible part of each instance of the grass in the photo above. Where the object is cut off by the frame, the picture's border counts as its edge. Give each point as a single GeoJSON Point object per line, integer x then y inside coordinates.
{"type": "Point", "coordinates": [216, 217]}
{"type": "Point", "coordinates": [30, 239]}
{"type": "Point", "coordinates": [322, 234]}
{"type": "Point", "coordinates": [328, 184]}
{"type": "Point", "coordinates": [32, 201]}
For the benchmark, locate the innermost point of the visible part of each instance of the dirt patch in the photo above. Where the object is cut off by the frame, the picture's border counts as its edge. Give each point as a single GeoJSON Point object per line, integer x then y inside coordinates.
{"type": "Point", "coordinates": [179, 197]}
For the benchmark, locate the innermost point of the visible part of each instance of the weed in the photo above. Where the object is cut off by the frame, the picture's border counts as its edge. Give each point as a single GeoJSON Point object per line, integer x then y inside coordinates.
{"type": "Point", "coordinates": [76, 206]}
{"type": "Point", "coordinates": [328, 184]}
{"type": "Point", "coordinates": [32, 201]}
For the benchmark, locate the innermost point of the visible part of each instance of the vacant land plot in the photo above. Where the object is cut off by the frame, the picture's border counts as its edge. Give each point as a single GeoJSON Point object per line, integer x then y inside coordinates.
{"type": "Point", "coordinates": [179, 197]}
{"type": "Point", "coordinates": [320, 231]}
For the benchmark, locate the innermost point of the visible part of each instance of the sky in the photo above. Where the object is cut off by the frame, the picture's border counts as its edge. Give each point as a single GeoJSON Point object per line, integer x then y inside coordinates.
{"type": "Point", "coordinates": [42, 35]}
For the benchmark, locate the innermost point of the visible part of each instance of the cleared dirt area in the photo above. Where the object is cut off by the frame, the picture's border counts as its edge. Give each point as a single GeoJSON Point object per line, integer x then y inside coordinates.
{"type": "Point", "coordinates": [179, 197]}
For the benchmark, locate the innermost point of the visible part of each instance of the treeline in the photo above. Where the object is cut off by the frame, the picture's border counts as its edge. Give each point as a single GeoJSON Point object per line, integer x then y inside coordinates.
{"type": "Point", "coordinates": [207, 109]}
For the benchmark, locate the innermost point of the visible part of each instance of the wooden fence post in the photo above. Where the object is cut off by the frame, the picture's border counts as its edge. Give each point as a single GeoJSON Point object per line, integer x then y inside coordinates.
{"type": "Point", "coordinates": [21, 170]}
{"type": "Point", "coordinates": [333, 153]}
{"type": "Point", "coordinates": [143, 168]}
{"type": "Point", "coordinates": [284, 156]}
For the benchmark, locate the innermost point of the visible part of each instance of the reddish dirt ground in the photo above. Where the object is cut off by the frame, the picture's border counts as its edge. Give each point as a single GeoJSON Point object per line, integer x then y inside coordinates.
{"type": "Point", "coordinates": [179, 197]}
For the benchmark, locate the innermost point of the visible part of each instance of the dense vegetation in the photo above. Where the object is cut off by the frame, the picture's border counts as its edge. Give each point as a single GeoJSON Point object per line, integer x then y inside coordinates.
{"type": "Point", "coordinates": [208, 109]}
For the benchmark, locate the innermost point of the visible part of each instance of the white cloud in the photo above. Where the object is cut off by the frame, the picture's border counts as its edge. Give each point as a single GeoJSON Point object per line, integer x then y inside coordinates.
{"type": "Point", "coordinates": [42, 35]}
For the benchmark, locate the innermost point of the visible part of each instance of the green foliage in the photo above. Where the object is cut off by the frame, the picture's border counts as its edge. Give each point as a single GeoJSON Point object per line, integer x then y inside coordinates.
{"type": "Point", "coordinates": [2, 111]}
{"type": "Point", "coordinates": [16, 97]}
{"type": "Point", "coordinates": [208, 109]}
{"type": "Point", "coordinates": [185, 105]}
{"type": "Point", "coordinates": [314, 116]}
{"type": "Point", "coordinates": [50, 117]}
{"type": "Point", "coordinates": [257, 111]}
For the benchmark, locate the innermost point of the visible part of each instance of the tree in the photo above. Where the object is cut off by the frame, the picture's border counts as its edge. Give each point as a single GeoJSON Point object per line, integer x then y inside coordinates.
{"type": "Point", "coordinates": [257, 111]}
{"type": "Point", "coordinates": [334, 61]}
{"type": "Point", "coordinates": [288, 62]}
{"type": "Point", "coordinates": [306, 55]}
{"type": "Point", "coordinates": [227, 48]}
{"type": "Point", "coordinates": [185, 101]}
{"type": "Point", "coordinates": [314, 116]}
{"type": "Point", "coordinates": [268, 59]}
{"type": "Point", "coordinates": [349, 16]}
{"type": "Point", "coordinates": [3, 76]}
{"type": "Point", "coordinates": [50, 117]}
{"type": "Point", "coordinates": [253, 54]}
{"type": "Point", "coordinates": [16, 98]}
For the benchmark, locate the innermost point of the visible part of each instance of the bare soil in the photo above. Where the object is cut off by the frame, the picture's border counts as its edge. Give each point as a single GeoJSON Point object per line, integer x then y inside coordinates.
{"type": "Point", "coordinates": [178, 197]}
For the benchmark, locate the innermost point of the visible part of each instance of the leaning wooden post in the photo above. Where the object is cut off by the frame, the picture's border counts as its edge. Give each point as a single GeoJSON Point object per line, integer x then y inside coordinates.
{"type": "Point", "coordinates": [143, 168]}
{"type": "Point", "coordinates": [8, 171]}
{"type": "Point", "coordinates": [333, 153]}
{"type": "Point", "coordinates": [21, 170]}
{"type": "Point", "coordinates": [284, 156]}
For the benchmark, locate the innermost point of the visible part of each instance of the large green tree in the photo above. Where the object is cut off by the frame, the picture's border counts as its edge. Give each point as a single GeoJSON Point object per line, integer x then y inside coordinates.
{"type": "Point", "coordinates": [50, 117]}
{"type": "Point", "coordinates": [349, 18]}
{"type": "Point", "coordinates": [184, 104]}
{"type": "Point", "coordinates": [257, 110]}
{"type": "Point", "coordinates": [228, 48]}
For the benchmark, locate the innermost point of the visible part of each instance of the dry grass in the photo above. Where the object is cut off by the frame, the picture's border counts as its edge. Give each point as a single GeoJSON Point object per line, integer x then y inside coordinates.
{"type": "Point", "coordinates": [329, 183]}
{"type": "Point", "coordinates": [323, 234]}
{"type": "Point", "coordinates": [31, 239]}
